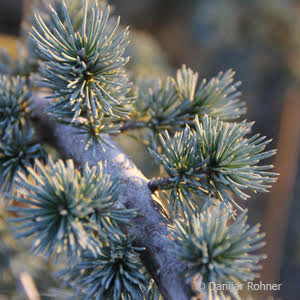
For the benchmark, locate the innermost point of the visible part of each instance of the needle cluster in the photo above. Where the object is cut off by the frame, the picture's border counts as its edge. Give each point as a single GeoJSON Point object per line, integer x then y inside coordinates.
{"type": "Point", "coordinates": [115, 272]}
{"type": "Point", "coordinates": [216, 161]}
{"type": "Point", "coordinates": [68, 211]}
{"type": "Point", "coordinates": [218, 250]}
{"type": "Point", "coordinates": [174, 102]}
{"type": "Point", "coordinates": [83, 65]}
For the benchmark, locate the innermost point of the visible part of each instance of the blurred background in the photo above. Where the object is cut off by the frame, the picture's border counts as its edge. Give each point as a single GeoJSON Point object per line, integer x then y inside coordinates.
{"type": "Point", "coordinates": [260, 40]}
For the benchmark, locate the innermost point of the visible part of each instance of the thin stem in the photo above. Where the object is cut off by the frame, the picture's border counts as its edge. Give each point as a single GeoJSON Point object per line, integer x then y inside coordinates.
{"type": "Point", "coordinates": [132, 124]}
{"type": "Point", "coordinates": [155, 184]}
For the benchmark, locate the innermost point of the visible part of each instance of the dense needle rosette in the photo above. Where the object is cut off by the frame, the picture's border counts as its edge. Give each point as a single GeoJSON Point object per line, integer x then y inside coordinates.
{"type": "Point", "coordinates": [232, 159]}
{"type": "Point", "coordinates": [115, 272]}
{"type": "Point", "coordinates": [217, 249]}
{"type": "Point", "coordinates": [182, 163]}
{"type": "Point", "coordinates": [67, 210]}
{"type": "Point", "coordinates": [218, 97]}
{"type": "Point", "coordinates": [18, 151]}
{"type": "Point", "coordinates": [84, 66]}
{"type": "Point", "coordinates": [216, 161]}
{"type": "Point", "coordinates": [15, 103]}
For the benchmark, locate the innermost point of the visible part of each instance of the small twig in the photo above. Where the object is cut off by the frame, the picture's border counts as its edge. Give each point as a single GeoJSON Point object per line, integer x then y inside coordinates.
{"type": "Point", "coordinates": [132, 124]}
{"type": "Point", "coordinates": [160, 182]}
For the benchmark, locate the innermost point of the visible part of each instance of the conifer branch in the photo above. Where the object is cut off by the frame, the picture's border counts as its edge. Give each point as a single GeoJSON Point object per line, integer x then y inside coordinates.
{"type": "Point", "coordinates": [149, 230]}
{"type": "Point", "coordinates": [98, 208]}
